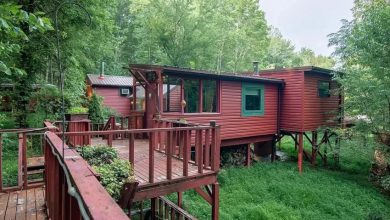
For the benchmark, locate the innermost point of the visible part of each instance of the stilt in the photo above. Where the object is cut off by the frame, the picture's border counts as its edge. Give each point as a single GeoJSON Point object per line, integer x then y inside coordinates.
{"type": "Point", "coordinates": [153, 208]}
{"type": "Point", "coordinates": [180, 199]}
{"type": "Point", "coordinates": [337, 151]}
{"type": "Point", "coordinates": [300, 152]}
{"type": "Point", "coordinates": [273, 153]}
{"type": "Point", "coordinates": [314, 147]}
{"type": "Point", "coordinates": [215, 201]}
{"type": "Point", "coordinates": [248, 155]}
{"type": "Point", "coordinates": [325, 158]}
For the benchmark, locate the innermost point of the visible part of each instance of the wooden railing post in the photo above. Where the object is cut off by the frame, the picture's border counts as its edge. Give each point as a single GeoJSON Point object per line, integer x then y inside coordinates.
{"type": "Point", "coordinates": [215, 146]}
{"type": "Point", "coordinates": [186, 151]}
{"type": "Point", "coordinates": [168, 150]}
{"type": "Point", "coordinates": [131, 149]}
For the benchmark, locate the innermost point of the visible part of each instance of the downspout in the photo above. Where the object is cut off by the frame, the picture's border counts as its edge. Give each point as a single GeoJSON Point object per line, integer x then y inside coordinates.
{"type": "Point", "coordinates": [278, 119]}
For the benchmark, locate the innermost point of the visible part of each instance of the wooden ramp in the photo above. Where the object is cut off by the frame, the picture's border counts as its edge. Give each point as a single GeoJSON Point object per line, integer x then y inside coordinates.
{"type": "Point", "coordinates": [25, 204]}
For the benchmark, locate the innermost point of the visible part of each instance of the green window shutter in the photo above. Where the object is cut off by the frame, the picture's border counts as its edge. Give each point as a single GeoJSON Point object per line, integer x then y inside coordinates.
{"type": "Point", "coordinates": [252, 100]}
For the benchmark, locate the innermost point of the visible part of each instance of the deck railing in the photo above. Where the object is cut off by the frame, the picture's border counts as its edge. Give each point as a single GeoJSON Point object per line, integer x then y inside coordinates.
{"type": "Point", "coordinates": [72, 190]}
{"type": "Point", "coordinates": [28, 147]}
{"type": "Point", "coordinates": [198, 145]}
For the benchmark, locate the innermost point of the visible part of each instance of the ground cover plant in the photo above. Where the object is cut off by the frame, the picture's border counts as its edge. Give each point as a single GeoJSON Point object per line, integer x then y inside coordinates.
{"type": "Point", "coordinates": [114, 172]}
{"type": "Point", "coordinates": [277, 191]}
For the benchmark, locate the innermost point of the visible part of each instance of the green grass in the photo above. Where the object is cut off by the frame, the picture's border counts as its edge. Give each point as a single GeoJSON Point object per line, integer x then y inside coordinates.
{"type": "Point", "coordinates": [278, 191]}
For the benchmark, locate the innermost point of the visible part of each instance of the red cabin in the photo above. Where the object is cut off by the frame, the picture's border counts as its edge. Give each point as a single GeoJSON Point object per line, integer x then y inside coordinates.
{"type": "Point", "coordinates": [115, 90]}
{"type": "Point", "coordinates": [245, 107]}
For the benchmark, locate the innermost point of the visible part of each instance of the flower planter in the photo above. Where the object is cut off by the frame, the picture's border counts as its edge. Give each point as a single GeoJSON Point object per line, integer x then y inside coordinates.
{"type": "Point", "coordinates": [76, 116]}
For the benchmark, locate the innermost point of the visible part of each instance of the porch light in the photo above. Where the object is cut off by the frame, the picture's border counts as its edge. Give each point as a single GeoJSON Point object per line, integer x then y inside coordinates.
{"type": "Point", "coordinates": [183, 103]}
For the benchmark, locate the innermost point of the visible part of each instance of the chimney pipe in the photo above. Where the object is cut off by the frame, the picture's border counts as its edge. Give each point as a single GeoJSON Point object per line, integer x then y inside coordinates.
{"type": "Point", "coordinates": [256, 67]}
{"type": "Point", "coordinates": [102, 71]}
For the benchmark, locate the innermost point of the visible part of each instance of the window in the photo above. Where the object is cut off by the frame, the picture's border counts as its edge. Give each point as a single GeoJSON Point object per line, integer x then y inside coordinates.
{"type": "Point", "coordinates": [125, 92]}
{"type": "Point", "coordinates": [172, 94]}
{"type": "Point", "coordinates": [323, 89]}
{"type": "Point", "coordinates": [209, 95]}
{"type": "Point", "coordinates": [200, 95]}
{"type": "Point", "coordinates": [191, 95]}
{"type": "Point", "coordinates": [252, 100]}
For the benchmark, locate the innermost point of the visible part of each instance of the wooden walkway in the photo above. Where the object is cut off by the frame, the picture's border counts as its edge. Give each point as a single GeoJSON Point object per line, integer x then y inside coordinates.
{"type": "Point", "coordinates": [26, 204]}
{"type": "Point", "coordinates": [141, 161]}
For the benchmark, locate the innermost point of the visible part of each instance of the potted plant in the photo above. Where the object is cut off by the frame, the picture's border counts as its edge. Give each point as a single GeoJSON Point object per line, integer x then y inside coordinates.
{"type": "Point", "coordinates": [77, 114]}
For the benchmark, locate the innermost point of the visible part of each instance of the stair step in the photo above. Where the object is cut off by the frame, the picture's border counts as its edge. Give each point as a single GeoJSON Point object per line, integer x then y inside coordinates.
{"type": "Point", "coordinates": [35, 172]}
{"type": "Point", "coordinates": [35, 181]}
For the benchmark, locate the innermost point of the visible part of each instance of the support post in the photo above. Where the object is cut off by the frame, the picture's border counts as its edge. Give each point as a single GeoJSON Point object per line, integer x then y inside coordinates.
{"type": "Point", "coordinates": [248, 155]}
{"type": "Point", "coordinates": [153, 208]}
{"type": "Point", "coordinates": [215, 200]}
{"type": "Point", "coordinates": [180, 199]}
{"type": "Point", "coordinates": [273, 152]}
{"type": "Point", "coordinates": [300, 152]}
{"type": "Point", "coordinates": [314, 147]}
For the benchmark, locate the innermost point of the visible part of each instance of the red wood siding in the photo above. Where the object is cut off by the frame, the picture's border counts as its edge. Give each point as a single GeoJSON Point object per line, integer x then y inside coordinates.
{"type": "Point", "coordinates": [232, 124]}
{"type": "Point", "coordinates": [292, 112]}
{"type": "Point", "coordinates": [113, 99]}
{"type": "Point", "coordinates": [319, 111]}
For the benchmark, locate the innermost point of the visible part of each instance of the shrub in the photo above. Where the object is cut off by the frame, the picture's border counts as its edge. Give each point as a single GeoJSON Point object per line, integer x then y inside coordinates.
{"type": "Point", "coordinates": [114, 175]}
{"type": "Point", "coordinates": [95, 109]}
{"type": "Point", "coordinates": [385, 183]}
{"type": "Point", "coordinates": [98, 155]}
{"type": "Point", "coordinates": [78, 110]}
{"type": "Point", "coordinates": [113, 172]}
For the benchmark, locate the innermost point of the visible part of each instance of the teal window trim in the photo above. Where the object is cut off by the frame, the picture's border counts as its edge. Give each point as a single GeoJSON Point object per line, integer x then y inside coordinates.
{"type": "Point", "coordinates": [250, 88]}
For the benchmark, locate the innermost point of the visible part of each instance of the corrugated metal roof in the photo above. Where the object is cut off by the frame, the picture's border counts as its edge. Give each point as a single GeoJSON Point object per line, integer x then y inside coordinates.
{"type": "Point", "coordinates": [107, 80]}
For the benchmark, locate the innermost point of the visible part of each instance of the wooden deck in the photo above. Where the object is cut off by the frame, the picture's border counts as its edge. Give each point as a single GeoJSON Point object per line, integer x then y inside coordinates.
{"type": "Point", "coordinates": [26, 204]}
{"type": "Point", "coordinates": [141, 161]}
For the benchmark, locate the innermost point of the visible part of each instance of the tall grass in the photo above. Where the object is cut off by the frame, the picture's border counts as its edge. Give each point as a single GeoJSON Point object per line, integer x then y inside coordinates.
{"type": "Point", "coordinates": [277, 191]}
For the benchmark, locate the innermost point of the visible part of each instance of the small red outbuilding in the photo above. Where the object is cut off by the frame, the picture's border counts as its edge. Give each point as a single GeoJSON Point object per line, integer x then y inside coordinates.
{"type": "Point", "coordinates": [115, 90]}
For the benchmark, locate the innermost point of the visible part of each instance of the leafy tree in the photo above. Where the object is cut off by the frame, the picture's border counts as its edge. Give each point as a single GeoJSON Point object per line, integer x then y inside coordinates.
{"type": "Point", "coordinates": [363, 47]}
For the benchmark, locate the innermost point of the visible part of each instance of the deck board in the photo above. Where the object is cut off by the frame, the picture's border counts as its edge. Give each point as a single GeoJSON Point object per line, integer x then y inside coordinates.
{"type": "Point", "coordinates": [24, 204]}
{"type": "Point", "coordinates": [141, 161]}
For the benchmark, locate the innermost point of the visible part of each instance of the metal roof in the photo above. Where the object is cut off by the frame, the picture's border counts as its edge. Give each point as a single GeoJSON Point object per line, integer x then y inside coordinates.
{"type": "Point", "coordinates": [107, 80]}
{"type": "Point", "coordinates": [309, 69]}
{"type": "Point", "coordinates": [207, 74]}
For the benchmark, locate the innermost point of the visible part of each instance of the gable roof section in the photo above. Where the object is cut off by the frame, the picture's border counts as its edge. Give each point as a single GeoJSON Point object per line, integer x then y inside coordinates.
{"type": "Point", "coordinates": [170, 70]}
{"type": "Point", "coordinates": [107, 80]}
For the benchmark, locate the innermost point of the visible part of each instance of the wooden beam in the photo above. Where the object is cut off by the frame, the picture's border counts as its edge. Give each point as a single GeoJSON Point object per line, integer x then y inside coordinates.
{"type": "Point", "coordinates": [204, 195]}
{"type": "Point", "coordinates": [300, 152]}
{"type": "Point", "coordinates": [215, 202]}
{"type": "Point", "coordinates": [248, 155]}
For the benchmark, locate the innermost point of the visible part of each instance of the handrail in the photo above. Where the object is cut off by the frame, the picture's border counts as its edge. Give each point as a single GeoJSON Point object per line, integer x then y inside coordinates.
{"type": "Point", "coordinates": [166, 209]}
{"type": "Point", "coordinates": [70, 173]}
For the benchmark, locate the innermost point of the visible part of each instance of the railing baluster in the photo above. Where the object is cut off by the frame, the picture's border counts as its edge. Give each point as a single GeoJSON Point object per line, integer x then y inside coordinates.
{"type": "Point", "coordinates": [131, 149]}
{"type": "Point", "coordinates": [169, 149]}
{"type": "Point", "coordinates": [186, 155]}
{"type": "Point", "coordinates": [151, 156]}
{"type": "Point", "coordinates": [207, 148]}
{"type": "Point", "coordinates": [25, 181]}
{"type": "Point", "coordinates": [199, 151]}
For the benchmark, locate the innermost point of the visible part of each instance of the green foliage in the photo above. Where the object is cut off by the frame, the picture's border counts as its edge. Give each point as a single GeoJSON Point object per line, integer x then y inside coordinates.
{"type": "Point", "coordinates": [385, 183]}
{"type": "Point", "coordinates": [10, 159]}
{"type": "Point", "coordinates": [363, 47]}
{"type": "Point", "coordinates": [114, 175]}
{"type": "Point", "coordinates": [95, 109]}
{"type": "Point", "coordinates": [78, 110]}
{"type": "Point", "coordinates": [277, 191]}
{"type": "Point", "coordinates": [98, 155]}
{"type": "Point", "coordinates": [47, 103]}
{"type": "Point", "coordinates": [113, 172]}
{"type": "Point", "coordinates": [6, 120]}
